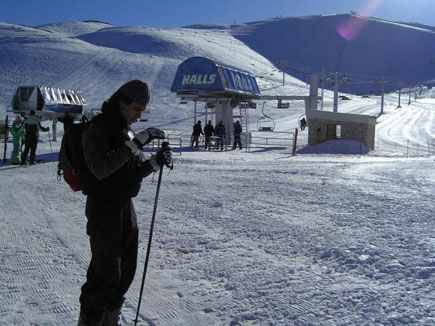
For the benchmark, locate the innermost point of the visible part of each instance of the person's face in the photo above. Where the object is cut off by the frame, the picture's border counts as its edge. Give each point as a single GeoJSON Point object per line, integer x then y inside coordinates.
{"type": "Point", "coordinates": [131, 112]}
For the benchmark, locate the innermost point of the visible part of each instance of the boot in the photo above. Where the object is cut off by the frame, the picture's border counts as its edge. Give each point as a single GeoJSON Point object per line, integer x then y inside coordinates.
{"type": "Point", "coordinates": [111, 317]}
{"type": "Point", "coordinates": [86, 320]}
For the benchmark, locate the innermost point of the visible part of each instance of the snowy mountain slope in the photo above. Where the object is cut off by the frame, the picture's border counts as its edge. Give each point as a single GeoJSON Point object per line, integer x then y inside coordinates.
{"type": "Point", "coordinates": [36, 57]}
{"type": "Point", "coordinates": [73, 29]}
{"type": "Point", "coordinates": [99, 62]}
{"type": "Point", "coordinates": [383, 48]}
{"type": "Point", "coordinates": [241, 238]}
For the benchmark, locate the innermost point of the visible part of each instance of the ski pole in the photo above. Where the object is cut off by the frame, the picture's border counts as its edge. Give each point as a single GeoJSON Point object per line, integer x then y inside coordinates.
{"type": "Point", "coordinates": [156, 199]}
{"type": "Point", "coordinates": [6, 139]}
{"type": "Point", "coordinates": [49, 139]}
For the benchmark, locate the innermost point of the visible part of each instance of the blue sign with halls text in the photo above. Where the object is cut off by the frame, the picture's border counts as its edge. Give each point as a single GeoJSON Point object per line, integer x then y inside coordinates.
{"type": "Point", "coordinates": [202, 74]}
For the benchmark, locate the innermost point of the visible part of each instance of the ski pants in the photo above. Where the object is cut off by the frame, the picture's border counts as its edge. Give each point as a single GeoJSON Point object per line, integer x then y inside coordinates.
{"type": "Point", "coordinates": [30, 144]}
{"type": "Point", "coordinates": [220, 142]}
{"type": "Point", "coordinates": [195, 141]}
{"type": "Point", "coordinates": [16, 151]}
{"type": "Point", "coordinates": [207, 142]}
{"type": "Point", "coordinates": [237, 141]}
{"type": "Point", "coordinates": [112, 228]}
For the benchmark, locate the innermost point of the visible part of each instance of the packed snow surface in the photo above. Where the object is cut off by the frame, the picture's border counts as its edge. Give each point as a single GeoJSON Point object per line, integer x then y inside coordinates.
{"type": "Point", "coordinates": [242, 238]}
{"type": "Point", "coordinates": [256, 237]}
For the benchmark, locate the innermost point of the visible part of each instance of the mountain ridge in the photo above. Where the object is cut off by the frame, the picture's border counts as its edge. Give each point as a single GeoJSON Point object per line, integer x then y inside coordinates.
{"type": "Point", "coordinates": [97, 57]}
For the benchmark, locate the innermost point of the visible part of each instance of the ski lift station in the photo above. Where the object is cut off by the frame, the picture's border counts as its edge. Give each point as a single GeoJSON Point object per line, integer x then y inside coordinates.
{"type": "Point", "coordinates": [47, 102]}
{"type": "Point", "coordinates": [223, 88]}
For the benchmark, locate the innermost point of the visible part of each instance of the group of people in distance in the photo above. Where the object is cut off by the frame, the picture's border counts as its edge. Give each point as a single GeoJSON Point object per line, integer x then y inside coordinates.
{"type": "Point", "coordinates": [219, 133]}
{"type": "Point", "coordinates": [29, 129]}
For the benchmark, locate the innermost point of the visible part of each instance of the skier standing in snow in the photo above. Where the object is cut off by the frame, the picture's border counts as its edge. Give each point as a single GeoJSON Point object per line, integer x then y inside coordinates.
{"type": "Point", "coordinates": [220, 132]}
{"type": "Point", "coordinates": [197, 131]}
{"type": "Point", "coordinates": [208, 132]}
{"type": "Point", "coordinates": [31, 126]}
{"type": "Point", "coordinates": [116, 168]}
{"type": "Point", "coordinates": [17, 137]}
{"type": "Point", "coordinates": [237, 133]}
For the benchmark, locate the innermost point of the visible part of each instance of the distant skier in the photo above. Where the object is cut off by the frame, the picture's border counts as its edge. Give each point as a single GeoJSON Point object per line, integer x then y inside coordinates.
{"type": "Point", "coordinates": [303, 124]}
{"type": "Point", "coordinates": [237, 133]}
{"type": "Point", "coordinates": [220, 132]}
{"type": "Point", "coordinates": [197, 131]}
{"type": "Point", "coordinates": [208, 132]}
{"type": "Point", "coordinates": [17, 137]}
{"type": "Point", "coordinates": [31, 126]}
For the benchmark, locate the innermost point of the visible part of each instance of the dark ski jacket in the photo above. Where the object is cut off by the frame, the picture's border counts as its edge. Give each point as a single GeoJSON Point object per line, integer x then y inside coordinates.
{"type": "Point", "coordinates": [209, 130]}
{"type": "Point", "coordinates": [113, 169]}
{"type": "Point", "coordinates": [220, 130]}
{"type": "Point", "coordinates": [237, 129]}
{"type": "Point", "coordinates": [197, 130]}
{"type": "Point", "coordinates": [31, 126]}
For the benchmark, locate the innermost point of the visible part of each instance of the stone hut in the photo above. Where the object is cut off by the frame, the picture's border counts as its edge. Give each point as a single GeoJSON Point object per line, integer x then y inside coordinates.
{"type": "Point", "coordinates": [325, 126]}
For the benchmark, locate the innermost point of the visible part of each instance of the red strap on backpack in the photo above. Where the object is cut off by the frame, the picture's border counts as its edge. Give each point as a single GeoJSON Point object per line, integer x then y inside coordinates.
{"type": "Point", "coordinates": [74, 181]}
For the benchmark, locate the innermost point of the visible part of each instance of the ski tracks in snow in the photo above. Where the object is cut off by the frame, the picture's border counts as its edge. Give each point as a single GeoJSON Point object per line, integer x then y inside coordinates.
{"type": "Point", "coordinates": [284, 244]}
{"type": "Point", "coordinates": [239, 239]}
{"type": "Point", "coordinates": [409, 129]}
{"type": "Point", "coordinates": [39, 263]}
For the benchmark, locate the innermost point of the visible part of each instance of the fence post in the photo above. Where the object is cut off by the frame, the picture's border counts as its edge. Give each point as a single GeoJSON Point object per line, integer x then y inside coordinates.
{"type": "Point", "coordinates": [295, 138]}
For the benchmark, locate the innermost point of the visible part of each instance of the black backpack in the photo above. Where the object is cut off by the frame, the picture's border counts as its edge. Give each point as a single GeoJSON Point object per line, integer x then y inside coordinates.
{"type": "Point", "coordinates": [72, 165]}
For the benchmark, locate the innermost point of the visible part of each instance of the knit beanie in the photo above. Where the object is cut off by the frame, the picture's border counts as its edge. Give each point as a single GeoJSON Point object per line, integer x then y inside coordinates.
{"type": "Point", "coordinates": [137, 91]}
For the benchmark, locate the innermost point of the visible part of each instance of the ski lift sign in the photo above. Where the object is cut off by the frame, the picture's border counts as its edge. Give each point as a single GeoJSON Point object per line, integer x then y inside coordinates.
{"type": "Point", "coordinates": [202, 74]}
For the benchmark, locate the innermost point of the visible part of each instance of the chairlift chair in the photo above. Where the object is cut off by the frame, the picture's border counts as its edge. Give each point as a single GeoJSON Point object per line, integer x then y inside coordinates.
{"type": "Point", "coordinates": [283, 105]}
{"type": "Point", "coordinates": [265, 123]}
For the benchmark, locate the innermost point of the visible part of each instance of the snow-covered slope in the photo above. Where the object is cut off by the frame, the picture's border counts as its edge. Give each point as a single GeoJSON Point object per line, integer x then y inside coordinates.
{"type": "Point", "coordinates": [241, 238]}
{"type": "Point", "coordinates": [244, 238]}
{"type": "Point", "coordinates": [400, 51]}
{"type": "Point", "coordinates": [75, 28]}
{"type": "Point", "coordinates": [97, 63]}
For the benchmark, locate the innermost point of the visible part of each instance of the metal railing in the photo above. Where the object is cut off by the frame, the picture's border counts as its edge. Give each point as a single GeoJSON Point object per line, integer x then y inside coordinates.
{"type": "Point", "coordinates": [250, 141]}
{"type": "Point", "coordinates": [261, 139]}
{"type": "Point", "coordinates": [407, 149]}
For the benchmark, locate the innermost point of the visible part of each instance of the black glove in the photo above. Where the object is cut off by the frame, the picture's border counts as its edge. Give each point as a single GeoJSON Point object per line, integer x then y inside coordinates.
{"type": "Point", "coordinates": [162, 157]}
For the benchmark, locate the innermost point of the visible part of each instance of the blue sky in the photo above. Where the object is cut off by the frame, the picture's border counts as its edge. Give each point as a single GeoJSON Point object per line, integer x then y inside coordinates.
{"type": "Point", "coordinates": [177, 13]}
